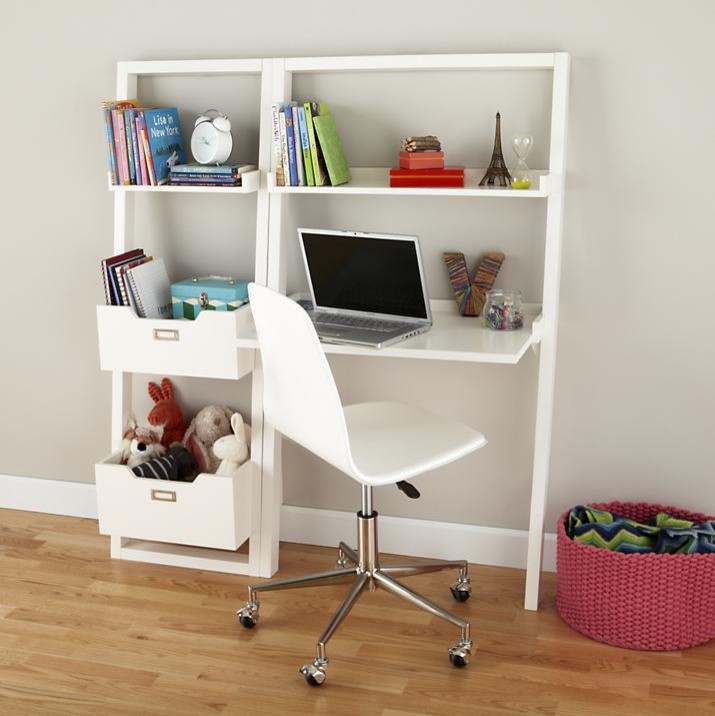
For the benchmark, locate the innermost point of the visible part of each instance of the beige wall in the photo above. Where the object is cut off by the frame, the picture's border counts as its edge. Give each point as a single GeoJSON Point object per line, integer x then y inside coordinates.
{"type": "Point", "coordinates": [635, 391]}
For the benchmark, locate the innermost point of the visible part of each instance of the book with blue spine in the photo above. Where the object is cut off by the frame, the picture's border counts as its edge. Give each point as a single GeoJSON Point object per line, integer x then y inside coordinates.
{"type": "Point", "coordinates": [195, 168]}
{"type": "Point", "coordinates": [305, 145]}
{"type": "Point", "coordinates": [165, 141]}
{"type": "Point", "coordinates": [290, 140]}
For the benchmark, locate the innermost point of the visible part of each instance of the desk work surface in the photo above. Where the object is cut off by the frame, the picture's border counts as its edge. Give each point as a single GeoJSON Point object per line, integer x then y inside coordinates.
{"type": "Point", "coordinates": [452, 338]}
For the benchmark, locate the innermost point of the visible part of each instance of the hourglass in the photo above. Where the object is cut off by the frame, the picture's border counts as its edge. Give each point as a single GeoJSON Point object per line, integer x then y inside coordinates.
{"type": "Point", "coordinates": [521, 176]}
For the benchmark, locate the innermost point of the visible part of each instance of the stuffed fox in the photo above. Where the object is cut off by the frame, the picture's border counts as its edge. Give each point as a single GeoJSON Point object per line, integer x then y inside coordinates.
{"type": "Point", "coordinates": [140, 444]}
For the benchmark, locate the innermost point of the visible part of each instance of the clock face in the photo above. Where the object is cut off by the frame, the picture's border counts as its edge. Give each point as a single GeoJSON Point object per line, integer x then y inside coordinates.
{"type": "Point", "coordinates": [205, 143]}
{"type": "Point", "coordinates": [210, 145]}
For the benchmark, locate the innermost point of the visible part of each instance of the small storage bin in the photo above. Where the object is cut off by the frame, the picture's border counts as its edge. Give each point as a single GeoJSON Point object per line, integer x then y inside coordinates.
{"type": "Point", "coordinates": [206, 347]}
{"type": "Point", "coordinates": [207, 293]}
{"type": "Point", "coordinates": [213, 511]}
{"type": "Point", "coordinates": [654, 602]}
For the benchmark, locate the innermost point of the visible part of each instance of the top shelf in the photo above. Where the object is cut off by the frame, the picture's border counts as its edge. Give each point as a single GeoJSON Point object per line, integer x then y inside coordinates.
{"type": "Point", "coordinates": [376, 180]}
{"type": "Point", "coordinates": [499, 61]}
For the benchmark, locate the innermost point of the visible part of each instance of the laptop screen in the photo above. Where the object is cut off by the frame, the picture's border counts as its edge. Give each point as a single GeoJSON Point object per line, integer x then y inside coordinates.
{"type": "Point", "coordinates": [365, 272]}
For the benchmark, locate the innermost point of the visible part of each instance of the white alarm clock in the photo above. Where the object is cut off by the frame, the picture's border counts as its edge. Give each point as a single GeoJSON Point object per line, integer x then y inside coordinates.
{"type": "Point", "coordinates": [211, 140]}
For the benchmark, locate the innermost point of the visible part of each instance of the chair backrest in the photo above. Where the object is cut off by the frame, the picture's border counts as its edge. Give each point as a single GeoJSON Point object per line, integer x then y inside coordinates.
{"type": "Point", "coordinates": [300, 398]}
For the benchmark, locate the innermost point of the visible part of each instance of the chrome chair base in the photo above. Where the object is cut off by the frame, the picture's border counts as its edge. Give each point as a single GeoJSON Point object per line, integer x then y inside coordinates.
{"type": "Point", "coordinates": [362, 569]}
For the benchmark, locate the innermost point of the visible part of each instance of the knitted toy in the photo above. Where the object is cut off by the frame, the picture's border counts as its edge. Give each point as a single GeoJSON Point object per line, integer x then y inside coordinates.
{"type": "Point", "coordinates": [166, 412]}
{"type": "Point", "coordinates": [232, 449]}
{"type": "Point", "coordinates": [140, 444]}
{"type": "Point", "coordinates": [178, 464]}
{"type": "Point", "coordinates": [209, 424]}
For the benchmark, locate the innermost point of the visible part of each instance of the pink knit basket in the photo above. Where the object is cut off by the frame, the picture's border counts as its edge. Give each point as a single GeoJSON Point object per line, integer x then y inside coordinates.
{"type": "Point", "coordinates": [655, 602]}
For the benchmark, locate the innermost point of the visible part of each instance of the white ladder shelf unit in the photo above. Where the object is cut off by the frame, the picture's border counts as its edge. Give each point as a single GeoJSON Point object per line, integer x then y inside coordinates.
{"type": "Point", "coordinates": [129, 344]}
{"type": "Point", "coordinates": [451, 338]}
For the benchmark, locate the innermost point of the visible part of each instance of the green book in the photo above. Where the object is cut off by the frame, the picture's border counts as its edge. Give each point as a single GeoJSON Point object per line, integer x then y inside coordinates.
{"type": "Point", "coordinates": [332, 149]}
{"type": "Point", "coordinates": [318, 176]}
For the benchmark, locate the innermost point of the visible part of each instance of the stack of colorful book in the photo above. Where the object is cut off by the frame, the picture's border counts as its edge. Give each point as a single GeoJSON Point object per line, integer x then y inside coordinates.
{"type": "Point", "coordinates": [143, 144]}
{"type": "Point", "coordinates": [139, 281]}
{"type": "Point", "coordinates": [208, 174]}
{"type": "Point", "coordinates": [306, 146]}
{"type": "Point", "coordinates": [422, 165]}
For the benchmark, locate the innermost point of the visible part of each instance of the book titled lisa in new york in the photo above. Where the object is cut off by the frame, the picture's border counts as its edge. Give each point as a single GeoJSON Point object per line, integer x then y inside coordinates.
{"type": "Point", "coordinates": [165, 141]}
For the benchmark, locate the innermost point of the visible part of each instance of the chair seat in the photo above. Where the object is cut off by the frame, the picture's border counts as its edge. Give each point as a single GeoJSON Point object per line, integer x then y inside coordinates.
{"type": "Point", "coordinates": [390, 442]}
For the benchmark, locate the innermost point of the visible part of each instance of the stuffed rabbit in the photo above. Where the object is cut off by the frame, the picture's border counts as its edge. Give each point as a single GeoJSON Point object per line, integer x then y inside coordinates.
{"type": "Point", "coordinates": [166, 413]}
{"type": "Point", "coordinates": [209, 425]}
{"type": "Point", "coordinates": [232, 450]}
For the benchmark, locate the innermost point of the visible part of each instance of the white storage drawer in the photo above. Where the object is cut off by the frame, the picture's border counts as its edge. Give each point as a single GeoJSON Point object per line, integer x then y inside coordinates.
{"type": "Point", "coordinates": [206, 347]}
{"type": "Point", "coordinates": [213, 511]}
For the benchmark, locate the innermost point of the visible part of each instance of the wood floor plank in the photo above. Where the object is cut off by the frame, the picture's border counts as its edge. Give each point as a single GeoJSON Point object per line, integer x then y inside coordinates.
{"type": "Point", "coordinates": [81, 634]}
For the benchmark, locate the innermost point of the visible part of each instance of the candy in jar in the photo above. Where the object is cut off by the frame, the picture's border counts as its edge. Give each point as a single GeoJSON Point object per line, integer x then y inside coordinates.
{"type": "Point", "coordinates": [502, 310]}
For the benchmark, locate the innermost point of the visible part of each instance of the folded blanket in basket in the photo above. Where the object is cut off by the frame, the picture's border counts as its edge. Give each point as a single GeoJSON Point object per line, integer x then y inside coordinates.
{"type": "Point", "coordinates": [664, 534]}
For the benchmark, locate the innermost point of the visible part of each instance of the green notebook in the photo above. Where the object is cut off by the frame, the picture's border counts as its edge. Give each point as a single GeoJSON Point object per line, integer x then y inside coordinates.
{"type": "Point", "coordinates": [332, 149]}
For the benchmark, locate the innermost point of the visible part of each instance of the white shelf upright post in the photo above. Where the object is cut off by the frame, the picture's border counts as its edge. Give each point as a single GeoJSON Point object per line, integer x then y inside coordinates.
{"type": "Point", "coordinates": [279, 89]}
{"type": "Point", "coordinates": [547, 353]}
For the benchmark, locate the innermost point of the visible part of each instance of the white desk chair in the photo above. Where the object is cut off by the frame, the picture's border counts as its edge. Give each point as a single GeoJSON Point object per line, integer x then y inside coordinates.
{"type": "Point", "coordinates": [374, 443]}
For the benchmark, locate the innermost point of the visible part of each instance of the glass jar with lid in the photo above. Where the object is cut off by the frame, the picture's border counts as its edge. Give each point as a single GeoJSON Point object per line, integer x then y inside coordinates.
{"type": "Point", "coordinates": [502, 310]}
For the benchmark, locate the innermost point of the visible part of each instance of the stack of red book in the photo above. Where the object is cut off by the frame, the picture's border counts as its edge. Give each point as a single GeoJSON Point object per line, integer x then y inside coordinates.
{"type": "Point", "coordinates": [425, 168]}
{"type": "Point", "coordinates": [445, 177]}
{"type": "Point", "coordinates": [421, 160]}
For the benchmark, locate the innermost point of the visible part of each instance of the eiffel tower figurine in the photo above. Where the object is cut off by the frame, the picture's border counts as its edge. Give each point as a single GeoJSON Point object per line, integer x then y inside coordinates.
{"type": "Point", "coordinates": [497, 173]}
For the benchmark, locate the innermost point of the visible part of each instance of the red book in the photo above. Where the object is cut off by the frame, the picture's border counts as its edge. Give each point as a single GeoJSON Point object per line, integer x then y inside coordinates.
{"type": "Point", "coordinates": [422, 160]}
{"type": "Point", "coordinates": [450, 177]}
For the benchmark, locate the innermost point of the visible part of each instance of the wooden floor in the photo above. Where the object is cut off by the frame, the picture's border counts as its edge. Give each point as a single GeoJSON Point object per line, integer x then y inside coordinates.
{"type": "Point", "coordinates": [82, 634]}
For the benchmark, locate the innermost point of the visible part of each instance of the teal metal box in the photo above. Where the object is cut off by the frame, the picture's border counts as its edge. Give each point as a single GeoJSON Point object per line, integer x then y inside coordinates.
{"type": "Point", "coordinates": [207, 293]}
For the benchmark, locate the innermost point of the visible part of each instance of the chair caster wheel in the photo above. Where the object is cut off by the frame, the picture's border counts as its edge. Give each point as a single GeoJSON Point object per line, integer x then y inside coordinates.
{"type": "Point", "coordinates": [248, 616]}
{"type": "Point", "coordinates": [312, 680]}
{"type": "Point", "coordinates": [459, 654]}
{"type": "Point", "coordinates": [461, 589]}
{"type": "Point", "coordinates": [314, 673]}
{"type": "Point", "coordinates": [461, 592]}
{"type": "Point", "coordinates": [247, 622]}
{"type": "Point", "coordinates": [342, 562]}
{"type": "Point", "coordinates": [458, 661]}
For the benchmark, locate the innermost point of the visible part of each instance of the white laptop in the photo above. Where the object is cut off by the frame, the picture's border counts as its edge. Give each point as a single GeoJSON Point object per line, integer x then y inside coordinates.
{"type": "Point", "coordinates": [367, 289]}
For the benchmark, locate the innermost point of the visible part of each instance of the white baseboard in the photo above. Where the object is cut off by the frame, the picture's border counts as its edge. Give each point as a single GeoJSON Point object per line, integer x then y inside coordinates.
{"type": "Point", "coordinates": [35, 494]}
{"type": "Point", "coordinates": [398, 535]}
{"type": "Point", "coordinates": [417, 538]}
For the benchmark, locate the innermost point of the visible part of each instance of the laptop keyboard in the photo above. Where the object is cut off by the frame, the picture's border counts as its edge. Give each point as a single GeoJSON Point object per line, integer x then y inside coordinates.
{"type": "Point", "coordinates": [362, 322]}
